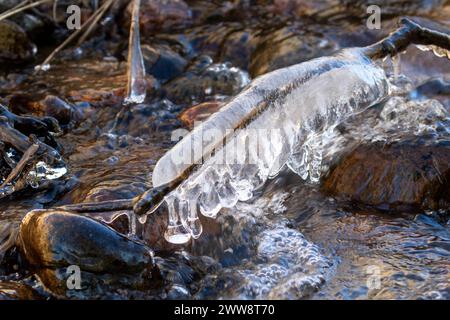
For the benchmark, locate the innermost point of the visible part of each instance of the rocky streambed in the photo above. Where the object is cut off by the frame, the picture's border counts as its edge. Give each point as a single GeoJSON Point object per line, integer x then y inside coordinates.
{"type": "Point", "coordinates": [376, 225]}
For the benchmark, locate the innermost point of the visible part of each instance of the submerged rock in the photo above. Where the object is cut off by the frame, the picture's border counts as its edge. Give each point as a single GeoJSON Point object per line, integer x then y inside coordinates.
{"type": "Point", "coordinates": [288, 46]}
{"type": "Point", "coordinates": [161, 15]}
{"type": "Point", "coordinates": [205, 79]}
{"type": "Point", "coordinates": [395, 176]}
{"type": "Point", "coordinates": [53, 241]}
{"type": "Point", "coordinates": [14, 43]}
{"type": "Point", "coordinates": [163, 63]}
{"type": "Point", "coordinates": [199, 112]}
{"type": "Point", "coordinates": [60, 110]}
{"type": "Point", "coordinates": [17, 291]}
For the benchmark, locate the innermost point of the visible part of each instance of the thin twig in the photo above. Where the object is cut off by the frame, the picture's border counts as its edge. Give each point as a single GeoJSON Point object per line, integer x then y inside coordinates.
{"type": "Point", "coordinates": [55, 7]}
{"type": "Point", "coordinates": [31, 151]}
{"type": "Point", "coordinates": [15, 7]}
{"type": "Point", "coordinates": [113, 205]}
{"type": "Point", "coordinates": [73, 35]}
{"type": "Point", "coordinates": [22, 8]}
{"type": "Point", "coordinates": [94, 22]}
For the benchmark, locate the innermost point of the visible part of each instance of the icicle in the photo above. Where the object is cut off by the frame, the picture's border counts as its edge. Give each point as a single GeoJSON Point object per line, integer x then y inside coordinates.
{"type": "Point", "coordinates": [176, 233]}
{"type": "Point", "coordinates": [396, 66]}
{"type": "Point", "coordinates": [136, 88]}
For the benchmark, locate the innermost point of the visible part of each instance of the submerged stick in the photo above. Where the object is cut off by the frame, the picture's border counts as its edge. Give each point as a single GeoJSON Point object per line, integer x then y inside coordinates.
{"type": "Point", "coordinates": [31, 151]}
{"type": "Point", "coordinates": [409, 32]}
{"type": "Point", "coordinates": [12, 136]}
{"type": "Point", "coordinates": [114, 205]}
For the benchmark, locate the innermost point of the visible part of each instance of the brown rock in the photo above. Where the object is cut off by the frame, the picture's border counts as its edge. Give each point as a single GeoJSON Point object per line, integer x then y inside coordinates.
{"type": "Point", "coordinates": [58, 239]}
{"type": "Point", "coordinates": [395, 176]}
{"type": "Point", "coordinates": [59, 109]}
{"type": "Point", "coordinates": [199, 112]}
{"type": "Point", "coordinates": [161, 15]}
{"type": "Point", "coordinates": [51, 241]}
{"type": "Point", "coordinates": [14, 43]}
{"type": "Point", "coordinates": [288, 46]}
{"type": "Point", "coordinates": [17, 291]}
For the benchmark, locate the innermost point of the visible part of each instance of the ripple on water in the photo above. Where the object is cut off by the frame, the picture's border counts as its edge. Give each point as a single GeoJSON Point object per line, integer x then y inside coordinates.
{"type": "Point", "coordinates": [284, 264]}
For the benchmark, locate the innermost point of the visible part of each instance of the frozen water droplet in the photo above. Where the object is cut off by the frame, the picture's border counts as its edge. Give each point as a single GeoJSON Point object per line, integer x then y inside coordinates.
{"type": "Point", "coordinates": [210, 203]}
{"type": "Point", "coordinates": [227, 193]}
{"type": "Point", "coordinates": [175, 233]}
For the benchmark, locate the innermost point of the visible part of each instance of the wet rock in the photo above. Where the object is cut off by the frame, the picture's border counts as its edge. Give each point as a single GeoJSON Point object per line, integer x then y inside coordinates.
{"type": "Point", "coordinates": [8, 233]}
{"type": "Point", "coordinates": [161, 15]}
{"type": "Point", "coordinates": [60, 110]}
{"type": "Point", "coordinates": [238, 48]}
{"type": "Point", "coordinates": [396, 176]}
{"type": "Point", "coordinates": [355, 9]}
{"type": "Point", "coordinates": [52, 241]}
{"type": "Point", "coordinates": [288, 46]}
{"type": "Point", "coordinates": [299, 8]}
{"type": "Point", "coordinates": [8, 4]}
{"type": "Point", "coordinates": [437, 88]}
{"type": "Point", "coordinates": [14, 43]}
{"type": "Point", "coordinates": [17, 291]}
{"type": "Point", "coordinates": [23, 103]}
{"type": "Point", "coordinates": [37, 26]}
{"type": "Point", "coordinates": [205, 79]}
{"type": "Point", "coordinates": [31, 24]}
{"type": "Point", "coordinates": [226, 41]}
{"type": "Point", "coordinates": [163, 63]}
{"type": "Point", "coordinates": [199, 112]}
{"type": "Point", "coordinates": [144, 119]}
{"type": "Point", "coordinates": [434, 87]}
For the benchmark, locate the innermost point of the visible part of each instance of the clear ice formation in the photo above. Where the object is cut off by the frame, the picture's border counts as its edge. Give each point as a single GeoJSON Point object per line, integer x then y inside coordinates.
{"type": "Point", "coordinates": [439, 52]}
{"type": "Point", "coordinates": [137, 87]}
{"type": "Point", "coordinates": [303, 100]}
{"type": "Point", "coordinates": [39, 173]}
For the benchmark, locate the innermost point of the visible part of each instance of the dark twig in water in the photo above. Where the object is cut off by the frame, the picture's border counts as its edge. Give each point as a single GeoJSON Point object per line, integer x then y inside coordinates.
{"type": "Point", "coordinates": [27, 156]}
{"type": "Point", "coordinates": [408, 33]}
{"type": "Point", "coordinates": [12, 136]}
{"type": "Point", "coordinates": [123, 204]}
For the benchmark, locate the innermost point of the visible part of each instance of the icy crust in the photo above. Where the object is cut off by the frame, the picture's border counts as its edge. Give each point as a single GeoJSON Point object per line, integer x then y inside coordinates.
{"type": "Point", "coordinates": [305, 100]}
{"type": "Point", "coordinates": [280, 89]}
